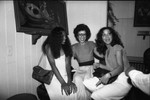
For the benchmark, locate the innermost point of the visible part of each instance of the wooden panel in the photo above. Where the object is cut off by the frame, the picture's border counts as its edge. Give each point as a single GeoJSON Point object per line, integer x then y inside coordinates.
{"type": "Point", "coordinates": [18, 56]}
{"type": "Point", "coordinates": [20, 62]}
{"type": "Point", "coordinates": [36, 54]}
{"type": "Point", "coordinates": [3, 52]}
{"type": "Point", "coordinates": [11, 57]}
{"type": "Point", "coordinates": [28, 69]}
{"type": "Point", "coordinates": [34, 62]}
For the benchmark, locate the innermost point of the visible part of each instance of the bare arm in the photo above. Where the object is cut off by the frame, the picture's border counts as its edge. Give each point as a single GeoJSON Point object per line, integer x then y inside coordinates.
{"type": "Point", "coordinates": [64, 85]}
{"type": "Point", "coordinates": [68, 68]}
{"type": "Point", "coordinates": [119, 59]}
{"type": "Point", "coordinates": [97, 54]}
{"type": "Point", "coordinates": [53, 65]}
{"type": "Point", "coordinates": [99, 57]}
{"type": "Point", "coordinates": [116, 71]}
{"type": "Point", "coordinates": [72, 86]}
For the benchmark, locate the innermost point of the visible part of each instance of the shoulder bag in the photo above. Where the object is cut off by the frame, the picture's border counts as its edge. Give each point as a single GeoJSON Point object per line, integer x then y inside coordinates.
{"type": "Point", "coordinates": [42, 75]}
{"type": "Point", "coordinates": [99, 72]}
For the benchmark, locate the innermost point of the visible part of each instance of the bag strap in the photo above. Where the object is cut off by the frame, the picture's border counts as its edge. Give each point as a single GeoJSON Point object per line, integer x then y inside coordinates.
{"type": "Point", "coordinates": [40, 59]}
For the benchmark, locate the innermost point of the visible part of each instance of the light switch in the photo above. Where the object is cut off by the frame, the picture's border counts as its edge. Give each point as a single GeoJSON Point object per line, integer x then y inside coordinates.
{"type": "Point", "coordinates": [9, 50]}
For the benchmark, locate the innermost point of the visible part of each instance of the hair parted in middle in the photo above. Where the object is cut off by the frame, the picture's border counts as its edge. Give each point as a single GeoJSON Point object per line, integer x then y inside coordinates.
{"type": "Point", "coordinates": [101, 46]}
{"type": "Point", "coordinates": [82, 27]}
{"type": "Point", "coordinates": [54, 42]}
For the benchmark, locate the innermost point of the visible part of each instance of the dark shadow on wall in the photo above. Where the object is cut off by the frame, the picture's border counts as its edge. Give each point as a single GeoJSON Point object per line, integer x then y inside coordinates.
{"type": "Point", "coordinates": [3, 97]}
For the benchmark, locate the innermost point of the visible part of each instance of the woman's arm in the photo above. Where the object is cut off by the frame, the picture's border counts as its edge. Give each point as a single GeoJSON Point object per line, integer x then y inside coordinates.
{"type": "Point", "coordinates": [73, 51]}
{"type": "Point", "coordinates": [120, 67]}
{"type": "Point", "coordinates": [97, 55]}
{"type": "Point", "coordinates": [117, 70]}
{"type": "Point", "coordinates": [53, 65]}
{"type": "Point", "coordinates": [72, 87]}
{"type": "Point", "coordinates": [64, 85]}
{"type": "Point", "coordinates": [68, 68]}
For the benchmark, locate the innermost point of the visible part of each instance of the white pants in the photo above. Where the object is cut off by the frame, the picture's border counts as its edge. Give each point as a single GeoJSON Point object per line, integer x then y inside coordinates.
{"type": "Point", "coordinates": [114, 91]}
{"type": "Point", "coordinates": [82, 73]}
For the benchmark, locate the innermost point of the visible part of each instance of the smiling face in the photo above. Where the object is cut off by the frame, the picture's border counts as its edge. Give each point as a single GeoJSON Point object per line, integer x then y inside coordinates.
{"type": "Point", "coordinates": [82, 36]}
{"type": "Point", "coordinates": [107, 37]}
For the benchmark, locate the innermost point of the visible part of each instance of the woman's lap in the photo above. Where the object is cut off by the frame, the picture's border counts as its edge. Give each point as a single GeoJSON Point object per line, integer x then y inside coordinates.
{"type": "Point", "coordinates": [115, 90]}
{"type": "Point", "coordinates": [78, 79]}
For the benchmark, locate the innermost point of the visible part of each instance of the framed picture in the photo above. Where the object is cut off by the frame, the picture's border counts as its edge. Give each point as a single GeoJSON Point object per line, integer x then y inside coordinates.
{"type": "Point", "coordinates": [142, 13]}
{"type": "Point", "coordinates": [40, 16]}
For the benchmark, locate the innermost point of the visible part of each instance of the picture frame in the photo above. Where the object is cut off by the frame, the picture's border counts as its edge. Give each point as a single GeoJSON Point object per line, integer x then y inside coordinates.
{"type": "Point", "coordinates": [142, 13]}
{"type": "Point", "coordinates": [39, 17]}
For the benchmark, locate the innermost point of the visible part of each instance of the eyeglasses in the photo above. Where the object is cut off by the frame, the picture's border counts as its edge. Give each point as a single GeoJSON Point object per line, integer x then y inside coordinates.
{"type": "Point", "coordinates": [81, 34]}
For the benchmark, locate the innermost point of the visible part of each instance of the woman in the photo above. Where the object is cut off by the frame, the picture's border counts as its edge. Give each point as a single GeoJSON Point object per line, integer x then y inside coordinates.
{"type": "Point", "coordinates": [83, 53]}
{"type": "Point", "coordinates": [110, 46]}
{"type": "Point", "coordinates": [57, 48]}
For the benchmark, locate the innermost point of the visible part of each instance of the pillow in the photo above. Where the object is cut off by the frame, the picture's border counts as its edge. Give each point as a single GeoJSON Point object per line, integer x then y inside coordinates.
{"type": "Point", "coordinates": [90, 84]}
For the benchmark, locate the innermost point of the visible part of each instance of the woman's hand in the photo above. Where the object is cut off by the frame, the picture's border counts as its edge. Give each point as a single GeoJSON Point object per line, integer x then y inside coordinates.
{"type": "Point", "coordinates": [105, 78]}
{"type": "Point", "coordinates": [99, 82]}
{"type": "Point", "coordinates": [127, 70]}
{"type": "Point", "coordinates": [72, 87]}
{"type": "Point", "coordinates": [96, 65]}
{"type": "Point", "coordinates": [80, 71]}
{"type": "Point", "coordinates": [66, 89]}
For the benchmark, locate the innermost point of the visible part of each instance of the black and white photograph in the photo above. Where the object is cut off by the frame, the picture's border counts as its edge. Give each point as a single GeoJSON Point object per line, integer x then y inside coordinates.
{"type": "Point", "coordinates": [74, 50]}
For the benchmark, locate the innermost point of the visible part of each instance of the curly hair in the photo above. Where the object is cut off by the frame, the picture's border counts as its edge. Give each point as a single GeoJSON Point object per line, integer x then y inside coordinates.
{"type": "Point", "coordinates": [54, 42]}
{"type": "Point", "coordinates": [101, 46]}
{"type": "Point", "coordinates": [82, 27]}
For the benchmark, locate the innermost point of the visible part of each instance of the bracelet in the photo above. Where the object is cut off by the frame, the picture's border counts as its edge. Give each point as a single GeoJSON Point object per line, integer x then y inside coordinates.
{"type": "Point", "coordinates": [110, 74]}
{"type": "Point", "coordinates": [99, 79]}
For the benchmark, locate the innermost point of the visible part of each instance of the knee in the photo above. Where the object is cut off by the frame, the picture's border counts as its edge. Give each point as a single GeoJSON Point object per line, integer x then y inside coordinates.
{"type": "Point", "coordinates": [77, 78]}
{"type": "Point", "coordinates": [96, 96]}
{"type": "Point", "coordinates": [93, 96]}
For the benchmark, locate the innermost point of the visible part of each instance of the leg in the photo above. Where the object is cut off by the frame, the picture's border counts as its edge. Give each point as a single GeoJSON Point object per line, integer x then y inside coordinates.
{"type": "Point", "coordinates": [81, 92]}
{"type": "Point", "coordinates": [114, 91]}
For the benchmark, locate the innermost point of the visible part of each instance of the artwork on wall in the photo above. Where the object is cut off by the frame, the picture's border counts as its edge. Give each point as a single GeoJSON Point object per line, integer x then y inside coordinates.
{"type": "Point", "coordinates": [111, 18]}
{"type": "Point", "coordinates": [39, 16]}
{"type": "Point", "coordinates": [142, 13]}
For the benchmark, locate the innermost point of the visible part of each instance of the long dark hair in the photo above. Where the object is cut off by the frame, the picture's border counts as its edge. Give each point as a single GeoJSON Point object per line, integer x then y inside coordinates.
{"type": "Point", "coordinates": [54, 42]}
{"type": "Point", "coordinates": [101, 46]}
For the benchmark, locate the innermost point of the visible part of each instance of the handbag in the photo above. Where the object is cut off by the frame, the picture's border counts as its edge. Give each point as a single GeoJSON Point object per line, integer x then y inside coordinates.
{"type": "Point", "coordinates": [99, 72]}
{"type": "Point", "coordinates": [42, 75]}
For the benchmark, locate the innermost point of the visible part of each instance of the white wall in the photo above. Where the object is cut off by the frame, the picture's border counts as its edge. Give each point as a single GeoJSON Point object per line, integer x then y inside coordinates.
{"type": "Point", "coordinates": [91, 13]}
